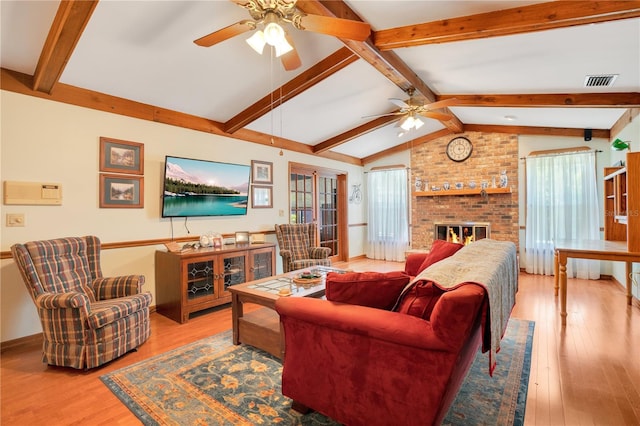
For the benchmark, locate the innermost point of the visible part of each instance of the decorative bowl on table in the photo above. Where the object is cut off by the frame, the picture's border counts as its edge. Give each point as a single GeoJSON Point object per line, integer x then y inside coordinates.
{"type": "Point", "coordinates": [308, 278]}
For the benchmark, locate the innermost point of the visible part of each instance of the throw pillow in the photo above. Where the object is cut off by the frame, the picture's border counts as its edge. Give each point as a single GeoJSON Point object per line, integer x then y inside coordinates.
{"type": "Point", "coordinates": [419, 300]}
{"type": "Point", "coordinates": [373, 289]}
{"type": "Point", "coordinates": [440, 249]}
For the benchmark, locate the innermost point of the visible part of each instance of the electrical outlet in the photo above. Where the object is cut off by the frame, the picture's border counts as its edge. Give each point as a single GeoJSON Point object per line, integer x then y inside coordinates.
{"type": "Point", "coordinates": [15, 219]}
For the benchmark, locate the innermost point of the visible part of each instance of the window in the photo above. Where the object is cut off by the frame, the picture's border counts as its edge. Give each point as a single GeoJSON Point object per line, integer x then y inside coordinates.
{"type": "Point", "coordinates": [562, 204]}
{"type": "Point", "coordinates": [388, 214]}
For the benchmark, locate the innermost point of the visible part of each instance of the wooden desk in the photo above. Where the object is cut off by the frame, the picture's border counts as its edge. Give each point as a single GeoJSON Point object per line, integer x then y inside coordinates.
{"type": "Point", "coordinates": [589, 249]}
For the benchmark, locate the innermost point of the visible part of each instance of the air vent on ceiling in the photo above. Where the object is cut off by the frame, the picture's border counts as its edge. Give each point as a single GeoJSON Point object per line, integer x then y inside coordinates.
{"type": "Point", "coordinates": [605, 80]}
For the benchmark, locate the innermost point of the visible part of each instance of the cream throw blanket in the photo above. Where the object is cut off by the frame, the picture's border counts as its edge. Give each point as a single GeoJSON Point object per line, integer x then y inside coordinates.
{"type": "Point", "coordinates": [491, 264]}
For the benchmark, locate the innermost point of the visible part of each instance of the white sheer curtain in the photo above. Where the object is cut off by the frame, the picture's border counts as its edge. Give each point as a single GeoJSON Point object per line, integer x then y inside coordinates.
{"type": "Point", "coordinates": [388, 211]}
{"type": "Point", "coordinates": [562, 204]}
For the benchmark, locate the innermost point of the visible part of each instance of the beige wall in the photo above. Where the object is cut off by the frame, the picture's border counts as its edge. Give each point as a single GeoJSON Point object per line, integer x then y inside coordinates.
{"type": "Point", "coordinates": [54, 142]}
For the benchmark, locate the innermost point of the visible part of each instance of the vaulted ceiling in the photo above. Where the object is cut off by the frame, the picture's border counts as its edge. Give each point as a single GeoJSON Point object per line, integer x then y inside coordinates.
{"type": "Point", "coordinates": [512, 66]}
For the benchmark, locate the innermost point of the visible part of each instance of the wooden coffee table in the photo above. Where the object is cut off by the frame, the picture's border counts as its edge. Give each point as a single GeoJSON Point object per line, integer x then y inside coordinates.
{"type": "Point", "coordinates": [261, 327]}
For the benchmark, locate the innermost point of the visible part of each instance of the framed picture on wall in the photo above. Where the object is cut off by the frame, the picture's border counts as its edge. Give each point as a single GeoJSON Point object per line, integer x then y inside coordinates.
{"type": "Point", "coordinates": [118, 156]}
{"type": "Point", "coordinates": [261, 197]}
{"type": "Point", "coordinates": [261, 172]}
{"type": "Point", "coordinates": [119, 191]}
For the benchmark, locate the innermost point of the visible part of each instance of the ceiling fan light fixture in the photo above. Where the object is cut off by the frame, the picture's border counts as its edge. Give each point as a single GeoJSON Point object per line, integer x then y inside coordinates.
{"type": "Point", "coordinates": [273, 34]}
{"type": "Point", "coordinates": [407, 124]}
{"type": "Point", "coordinates": [411, 122]}
{"type": "Point", "coordinates": [257, 42]}
{"type": "Point", "coordinates": [283, 47]}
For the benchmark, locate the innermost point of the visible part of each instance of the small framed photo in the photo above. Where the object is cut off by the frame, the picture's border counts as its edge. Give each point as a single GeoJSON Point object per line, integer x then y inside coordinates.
{"type": "Point", "coordinates": [261, 197]}
{"type": "Point", "coordinates": [117, 156]}
{"type": "Point", "coordinates": [261, 172]}
{"type": "Point", "coordinates": [242, 237]}
{"type": "Point", "coordinates": [119, 191]}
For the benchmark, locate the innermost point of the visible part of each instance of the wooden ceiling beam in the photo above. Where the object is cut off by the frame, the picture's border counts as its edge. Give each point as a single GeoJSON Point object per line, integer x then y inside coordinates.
{"type": "Point", "coordinates": [519, 130]}
{"type": "Point", "coordinates": [565, 100]}
{"type": "Point", "coordinates": [518, 20]}
{"type": "Point", "coordinates": [390, 65]}
{"type": "Point", "coordinates": [530, 130]}
{"type": "Point", "coordinates": [309, 78]}
{"type": "Point", "coordinates": [16, 82]}
{"type": "Point", "coordinates": [67, 27]}
{"type": "Point", "coordinates": [387, 63]}
{"type": "Point", "coordinates": [405, 146]}
{"type": "Point", "coordinates": [623, 122]}
{"type": "Point", "coordinates": [354, 133]}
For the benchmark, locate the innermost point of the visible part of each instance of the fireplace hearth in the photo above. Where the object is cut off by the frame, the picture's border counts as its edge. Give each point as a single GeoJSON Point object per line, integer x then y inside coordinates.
{"type": "Point", "coordinates": [464, 232]}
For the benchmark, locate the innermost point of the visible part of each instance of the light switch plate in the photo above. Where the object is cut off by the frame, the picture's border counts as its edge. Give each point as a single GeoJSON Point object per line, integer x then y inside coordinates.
{"type": "Point", "coordinates": [15, 219]}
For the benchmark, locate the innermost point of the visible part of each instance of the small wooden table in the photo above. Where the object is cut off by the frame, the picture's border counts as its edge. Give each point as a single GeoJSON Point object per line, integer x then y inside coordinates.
{"type": "Point", "coordinates": [589, 249]}
{"type": "Point", "coordinates": [261, 328]}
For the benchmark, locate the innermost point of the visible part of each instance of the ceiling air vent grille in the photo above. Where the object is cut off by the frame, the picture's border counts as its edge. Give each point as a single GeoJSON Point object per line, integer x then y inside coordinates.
{"type": "Point", "coordinates": [605, 80]}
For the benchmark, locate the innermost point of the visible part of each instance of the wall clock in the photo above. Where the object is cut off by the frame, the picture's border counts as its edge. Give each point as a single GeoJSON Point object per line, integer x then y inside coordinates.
{"type": "Point", "coordinates": [459, 149]}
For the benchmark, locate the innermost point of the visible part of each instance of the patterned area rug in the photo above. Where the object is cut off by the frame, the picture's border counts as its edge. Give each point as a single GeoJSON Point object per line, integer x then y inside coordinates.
{"type": "Point", "coordinates": [213, 382]}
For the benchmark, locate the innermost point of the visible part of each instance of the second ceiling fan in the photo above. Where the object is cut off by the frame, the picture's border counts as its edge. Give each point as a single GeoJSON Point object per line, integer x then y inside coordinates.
{"type": "Point", "coordinates": [268, 18]}
{"type": "Point", "coordinates": [411, 110]}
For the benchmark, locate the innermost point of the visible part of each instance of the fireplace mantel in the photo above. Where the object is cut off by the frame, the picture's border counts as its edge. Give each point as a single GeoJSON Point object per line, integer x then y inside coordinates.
{"type": "Point", "coordinates": [476, 191]}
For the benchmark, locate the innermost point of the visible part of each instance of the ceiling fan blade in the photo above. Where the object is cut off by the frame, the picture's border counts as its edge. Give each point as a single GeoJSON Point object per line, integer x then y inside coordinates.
{"type": "Point", "coordinates": [399, 102]}
{"type": "Point", "coordinates": [338, 27]}
{"type": "Point", "coordinates": [225, 33]}
{"type": "Point", "coordinates": [384, 115]}
{"type": "Point", "coordinates": [441, 104]}
{"type": "Point", "coordinates": [437, 115]}
{"type": "Point", "coordinates": [291, 60]}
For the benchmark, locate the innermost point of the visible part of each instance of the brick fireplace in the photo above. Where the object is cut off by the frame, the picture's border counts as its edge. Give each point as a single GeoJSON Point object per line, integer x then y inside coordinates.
{"type": "Point", "coordinates": [492, 154]}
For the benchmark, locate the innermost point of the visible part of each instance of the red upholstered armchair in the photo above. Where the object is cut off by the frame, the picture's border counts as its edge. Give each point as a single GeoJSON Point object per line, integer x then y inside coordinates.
{"type": "Point", "coordinates": [353, 359]}
{"type": "Point", "coordinates": [87, 319]}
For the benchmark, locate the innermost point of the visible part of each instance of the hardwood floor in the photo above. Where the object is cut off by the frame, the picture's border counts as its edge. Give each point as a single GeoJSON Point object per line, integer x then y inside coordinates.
{"type": "Point", "coordinates": [585, 373]}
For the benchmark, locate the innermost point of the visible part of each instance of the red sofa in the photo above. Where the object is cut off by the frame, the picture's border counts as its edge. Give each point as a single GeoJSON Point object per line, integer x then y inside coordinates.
{"type": "Point", "coordinates": [364, 365]}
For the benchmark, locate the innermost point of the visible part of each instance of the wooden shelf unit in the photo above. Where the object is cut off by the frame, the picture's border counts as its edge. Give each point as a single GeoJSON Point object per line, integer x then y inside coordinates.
{"type": "Point", "coordinates": [622, 202]}
{"type": "Point", "coordinates": [475, 191]}
{"type": "Point", "coordinates": [193, 280]}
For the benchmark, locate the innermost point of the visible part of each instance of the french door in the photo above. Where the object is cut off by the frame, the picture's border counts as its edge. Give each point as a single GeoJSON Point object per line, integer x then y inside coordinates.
{"type": "Point", "coordinates": [319, 195]}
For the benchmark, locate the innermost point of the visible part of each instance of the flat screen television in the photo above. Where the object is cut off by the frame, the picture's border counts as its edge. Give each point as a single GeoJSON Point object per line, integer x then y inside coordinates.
{"type": "Point", "coordinates": [195, 187]}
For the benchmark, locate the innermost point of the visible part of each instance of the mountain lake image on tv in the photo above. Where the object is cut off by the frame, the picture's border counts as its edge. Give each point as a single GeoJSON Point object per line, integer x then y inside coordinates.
{"type": "Point", "coordinates": [204, 188]}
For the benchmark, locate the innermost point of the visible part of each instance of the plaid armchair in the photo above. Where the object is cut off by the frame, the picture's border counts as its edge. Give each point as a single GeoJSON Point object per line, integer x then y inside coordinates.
{"type": "Point", "coordinates": [297, 241]}
{"type": "Point", "coordinates": [87, 320]}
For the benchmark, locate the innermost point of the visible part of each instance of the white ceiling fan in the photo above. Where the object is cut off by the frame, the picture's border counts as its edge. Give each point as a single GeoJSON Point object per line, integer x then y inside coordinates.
{"type": "Point", "coordinates": [411, 110]}
{"type": "Point", "coordinates": [269, 16]}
